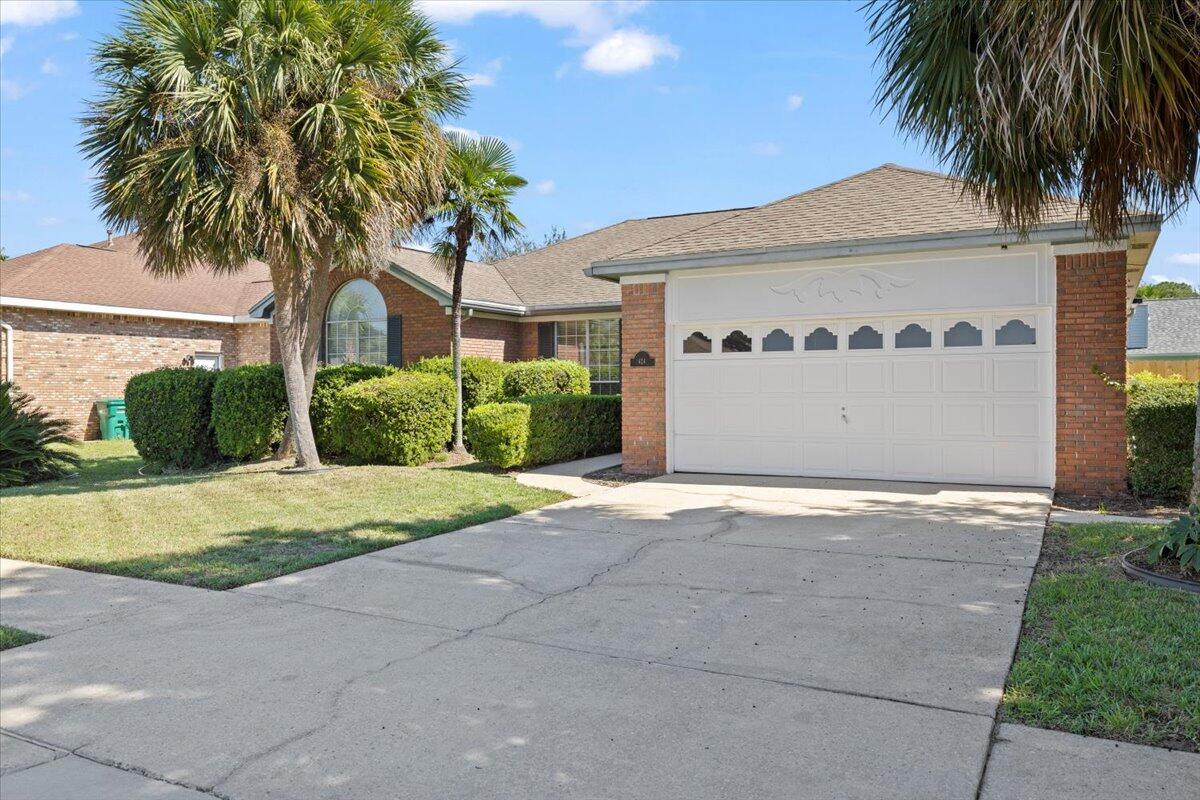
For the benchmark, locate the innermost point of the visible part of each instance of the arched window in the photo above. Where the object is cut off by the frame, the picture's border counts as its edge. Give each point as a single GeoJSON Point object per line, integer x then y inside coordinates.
{"type": "Point", "coordinates": [356, 325]}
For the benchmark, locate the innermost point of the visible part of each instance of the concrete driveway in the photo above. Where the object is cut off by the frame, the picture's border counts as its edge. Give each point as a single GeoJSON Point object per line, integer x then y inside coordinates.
{"type": "Point", "coordinates": [692, 636]}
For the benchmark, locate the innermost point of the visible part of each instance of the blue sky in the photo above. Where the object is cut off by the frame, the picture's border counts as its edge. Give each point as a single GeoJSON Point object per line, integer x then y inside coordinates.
{"type": "Point", "coordinates": [615, 110]}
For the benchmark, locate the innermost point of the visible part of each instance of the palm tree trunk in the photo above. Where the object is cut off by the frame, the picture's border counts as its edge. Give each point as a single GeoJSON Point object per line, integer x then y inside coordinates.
{"type": "Point", "coordinates": [293, 307]}
{"type": "Point", "coordinates": [460, 261]}
{"type": "Point", "coordinates": [311, 347]}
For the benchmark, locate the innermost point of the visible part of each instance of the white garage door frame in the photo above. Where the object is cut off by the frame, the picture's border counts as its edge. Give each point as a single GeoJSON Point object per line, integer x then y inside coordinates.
{"type": "Point", "coordinates": [992, 405]}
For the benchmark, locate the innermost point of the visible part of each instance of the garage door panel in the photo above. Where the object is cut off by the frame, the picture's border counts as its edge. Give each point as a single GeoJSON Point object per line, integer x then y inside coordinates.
{"type": "Point", "coordinates": [914, 375]}
{"type": "Point", "coordinates": [967, 411]}
{"type": "Point", "coordinates": [964, 375]}
{"type": "Point", "coordinates": [866, 377]}
{"type": "Point", "coordinates": [821, 376]}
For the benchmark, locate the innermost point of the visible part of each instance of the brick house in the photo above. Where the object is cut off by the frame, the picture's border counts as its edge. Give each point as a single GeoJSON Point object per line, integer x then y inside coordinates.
{"type": "Point", "coordinates": [877, 327]}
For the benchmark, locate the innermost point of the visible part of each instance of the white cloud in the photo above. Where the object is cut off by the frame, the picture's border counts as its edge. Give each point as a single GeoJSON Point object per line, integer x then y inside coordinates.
{"type": "Point", "coordinates": [15, 197]}
{"type": "Point", "coordinates": [49, 222]}
{"type": "Point", "coordinates": [30, 13]}
{"type": "Point", "coordinates": [628, 51]}
{"type": "Point", "coordinates": [563, 70]}
{"type": "Point", "coordinates": [545, 187]}
{"type": "Point", "coordinates": [1187, 259]}
{"type": "Point", "coordinates": [5, 45]}
{"type": "Point", "coordinates": [766, 149]}
{"type": "Point", "coordinates": [13, 90]}
{"type": "Point", "coordinates": [49, 67]}
{"type": "Point", "coordinates": [794, 101]}
{"type": "Point", "coordinates": [69, 36]}
{"type": "Point", "coordinates": [470, 133]}
{"type": "Point", "coordinates": [594, 24]}
{"type": "Point", "coordinates": [491, 71]}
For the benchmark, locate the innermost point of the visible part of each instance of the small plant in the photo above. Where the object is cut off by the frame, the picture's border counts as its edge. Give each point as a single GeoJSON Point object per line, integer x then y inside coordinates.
{"type": "Point", "coordinates": [31, 441]}
{"type": "Point", "coordinates": [1180, 542]}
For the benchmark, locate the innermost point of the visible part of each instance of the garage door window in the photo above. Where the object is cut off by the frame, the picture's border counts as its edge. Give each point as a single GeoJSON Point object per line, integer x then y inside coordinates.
{"type": "Point", "coordinates": [963, 334]}
{"type": "Point", "coordinates": [866, 338]}
{"type": "Point", "coordinates": [697, 342]}
{"type": "Point", "coordinates": [736, 342]}
{"type": "Point", "coordinates": [778, 341]}
{"type": "Point", "coordinates": [1015, 331]}
{"type": "Point", "coordinates": [821, 338]}
{"type": "Point", "coordinates": [913, 335]}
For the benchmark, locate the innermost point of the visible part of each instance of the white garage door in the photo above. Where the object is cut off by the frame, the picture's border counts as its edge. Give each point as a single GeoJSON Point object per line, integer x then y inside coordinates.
{"type": "Point", "coordinates": [952, 397]}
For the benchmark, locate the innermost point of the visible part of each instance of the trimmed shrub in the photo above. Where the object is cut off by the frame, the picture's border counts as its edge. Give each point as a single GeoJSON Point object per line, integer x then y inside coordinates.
{"type": "Point", "coordinates": [545, 429]}
{"type": "Point", "coordinates": [1161, 423]}
{"type": "Point", "coordinates": [400, 419]}
{"type": "Point", "coordinates": [328, 383]}
{"type": "Point", "coordinates": [31, 441]}
{"type": "Point", "coordinates": [483, 378]}
{"type": "Point", "coordinates": [249, 408]}
{"type": "Point", "coordinates": [170, 416]}
{"type": "Point", "coordinates": [499, 433]}
{"type": "Point", "coordinates": [546, 376]}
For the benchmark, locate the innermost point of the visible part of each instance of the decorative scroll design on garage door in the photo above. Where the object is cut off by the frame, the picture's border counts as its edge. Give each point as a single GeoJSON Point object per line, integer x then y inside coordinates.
{"type": "Point", "coordinates": [840, 285]}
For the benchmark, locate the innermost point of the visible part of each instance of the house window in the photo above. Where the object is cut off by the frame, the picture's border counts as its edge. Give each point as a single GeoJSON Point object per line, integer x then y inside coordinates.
{"type": "Point", "coordinates": [736, 342]}
{"type": "Point", "coordinates": [778, 341]}
{"type": "Point", "coordinates": [821, 339]}
{"type": "Point", "coordinates": [356, 325]}
{"type": "Point", "coordinates": [913, 335]}
{"type": "Point", "coordinates": [207, 361]}
{"type": "Point", "coordinates": [1016, 331]}
{"type": "Point", "coordinates": [697, 342]}
{"type": "Point", "coordinates": [962, 334]}
{"type": "Point", "coordinates": [866, 338]}
{"type": "Point", "coordinates": [595, 343]}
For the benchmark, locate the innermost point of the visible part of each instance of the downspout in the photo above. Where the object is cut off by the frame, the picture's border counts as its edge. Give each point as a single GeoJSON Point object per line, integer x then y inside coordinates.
{"type": "Point", "coordinates": [8, 351]}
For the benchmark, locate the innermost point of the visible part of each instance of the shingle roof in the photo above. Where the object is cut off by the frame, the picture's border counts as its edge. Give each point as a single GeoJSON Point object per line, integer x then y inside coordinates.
{"type": "Point", "coordinates": [1172, 327]}
{"type": "Point", "coordinates": [480, 281]}
{"type": "Point", "coordinates": [116, 276]}
{"type": "Point", "coordinates": [553, 276]}
{"type": "Point", "coordinates": [888, 201]}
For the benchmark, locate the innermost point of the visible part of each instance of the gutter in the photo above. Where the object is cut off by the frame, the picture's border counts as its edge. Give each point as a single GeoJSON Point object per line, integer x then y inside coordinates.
{"type": "Point", "coordinates": [1140, 355]}
{"type": "Point", "coordinates": [1060, 233]}
{"type": "Point", "coordinates": [152, 313]}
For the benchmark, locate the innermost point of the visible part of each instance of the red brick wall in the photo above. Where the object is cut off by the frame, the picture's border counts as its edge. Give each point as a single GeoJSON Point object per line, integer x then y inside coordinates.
{"type": "Point", "coordinates": [68, 360]}
{"type": "Point", "coordinates": [1090, 331]}
{"type": "Point", "coordinates": [643, 389]}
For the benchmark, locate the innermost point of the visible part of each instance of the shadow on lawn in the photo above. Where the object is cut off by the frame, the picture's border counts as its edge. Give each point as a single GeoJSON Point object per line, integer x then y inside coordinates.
{"type": "Point", "coordinates": [269, 551]}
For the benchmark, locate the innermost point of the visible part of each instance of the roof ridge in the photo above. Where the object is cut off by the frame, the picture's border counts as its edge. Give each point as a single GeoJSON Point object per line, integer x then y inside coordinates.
{"type": "Point", "coordinates": [688, 232]}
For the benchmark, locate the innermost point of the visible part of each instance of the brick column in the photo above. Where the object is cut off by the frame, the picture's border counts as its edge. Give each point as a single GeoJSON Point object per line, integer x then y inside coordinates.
{"type": "Point", "coordinates": [643, 389]}
{"type": "Point", "coordinates": [1090, 416]}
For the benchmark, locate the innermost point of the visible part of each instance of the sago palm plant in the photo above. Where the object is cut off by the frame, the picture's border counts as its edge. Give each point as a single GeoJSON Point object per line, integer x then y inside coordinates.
{"type": "Point", "coordinates": [33, 445]}
{"type": "Point", "coordinates": [304, 133]}
{"type": "Point", "coordinates": [474, 210]}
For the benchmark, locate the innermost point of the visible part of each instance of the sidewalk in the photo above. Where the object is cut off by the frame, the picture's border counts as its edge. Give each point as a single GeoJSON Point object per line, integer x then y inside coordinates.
{"type": "Point", "coordinates": [568, 478]}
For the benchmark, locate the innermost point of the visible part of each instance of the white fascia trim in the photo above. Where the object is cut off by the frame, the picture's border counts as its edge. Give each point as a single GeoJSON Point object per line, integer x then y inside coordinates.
{"type": "Point", "coordinates": [153, 313]}
{"type": "Point", "coordinates": [1063, 233]}
{"type": "Point", "coordinates": [1079, 248]}
{"type": "Point", "coordinates": [650, 277]}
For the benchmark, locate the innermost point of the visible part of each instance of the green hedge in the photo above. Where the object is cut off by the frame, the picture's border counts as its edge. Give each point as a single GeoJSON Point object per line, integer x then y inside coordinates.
{"type": "Point", "coordinates": [545, 429]}
{"type": "Point", "coordinates": [483, 378]}
{"type": "Point", "coordinates": [546, 376]}
{"type": "Point", "coordinates": [328, 382]}
{"type": "Point", "coordinates": [170, 416]}
{"type": "Point", "coordinates": [249, 408]}
{"type": "Point", "coordinates": [404, 418]}
{"type": "Point", "coordinates": [1161, 423]}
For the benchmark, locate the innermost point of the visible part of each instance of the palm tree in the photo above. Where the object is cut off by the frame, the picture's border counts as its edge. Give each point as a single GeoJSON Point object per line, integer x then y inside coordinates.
{"type": "Point", "coordinates": [304, 133]}
{"type": "Point", "coordinates": [1028, 102]}
{"type": "Point", "coordinates": [474, 210]}
{"type": "Point", "coordinates": [1031, 101]}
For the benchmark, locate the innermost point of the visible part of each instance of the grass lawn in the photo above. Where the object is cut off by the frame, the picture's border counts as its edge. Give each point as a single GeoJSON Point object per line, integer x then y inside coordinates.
{"type": "Point", "coordinates": [230, 527]}
{"type": "Point", "coordinates": [15, 637]}
{"type": "Point", "coordinates": [1102, 655]}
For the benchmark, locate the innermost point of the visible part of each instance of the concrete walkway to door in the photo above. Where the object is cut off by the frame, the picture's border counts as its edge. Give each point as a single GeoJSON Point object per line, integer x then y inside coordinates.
{"type": "Point", "coordinates": [692, 636]}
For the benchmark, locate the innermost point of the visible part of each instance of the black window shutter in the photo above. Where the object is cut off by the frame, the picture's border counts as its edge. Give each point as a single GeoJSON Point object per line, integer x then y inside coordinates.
{"type": "Point", "coordinates": [546, 343]}
{"type": "Point", "coordinates": [395, 339]}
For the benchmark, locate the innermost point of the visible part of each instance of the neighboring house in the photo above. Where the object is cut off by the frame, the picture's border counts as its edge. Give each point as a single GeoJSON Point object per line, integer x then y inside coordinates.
{"type": "Point", "coordinates": [876, 327]}
{"type": "Point", "coordinates": [1164, 337]}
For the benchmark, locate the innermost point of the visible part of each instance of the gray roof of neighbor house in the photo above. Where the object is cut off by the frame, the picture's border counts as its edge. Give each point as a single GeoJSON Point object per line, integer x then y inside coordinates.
{"type": "Point", "coordinates": [554, 276]}
{"type": "Point", "coordinates": [1161, 328]}
{"type": "Point", "coordinates": [104, 275]}
{"type": "Point", "coordinates": [885, 203]}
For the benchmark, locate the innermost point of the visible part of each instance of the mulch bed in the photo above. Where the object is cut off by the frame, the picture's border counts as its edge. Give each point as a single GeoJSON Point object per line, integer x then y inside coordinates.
{"type": "Point", "coordinates": [614, 476]}
{"type": "Point", "coordinates": [1168, 569]}
{"type": "Point", "coordinates": [1121, 505]}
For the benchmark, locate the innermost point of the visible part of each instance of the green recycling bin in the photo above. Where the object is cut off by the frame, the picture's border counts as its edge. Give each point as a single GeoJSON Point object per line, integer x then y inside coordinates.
{"type": "Point", "coordinates": [113, 422]}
